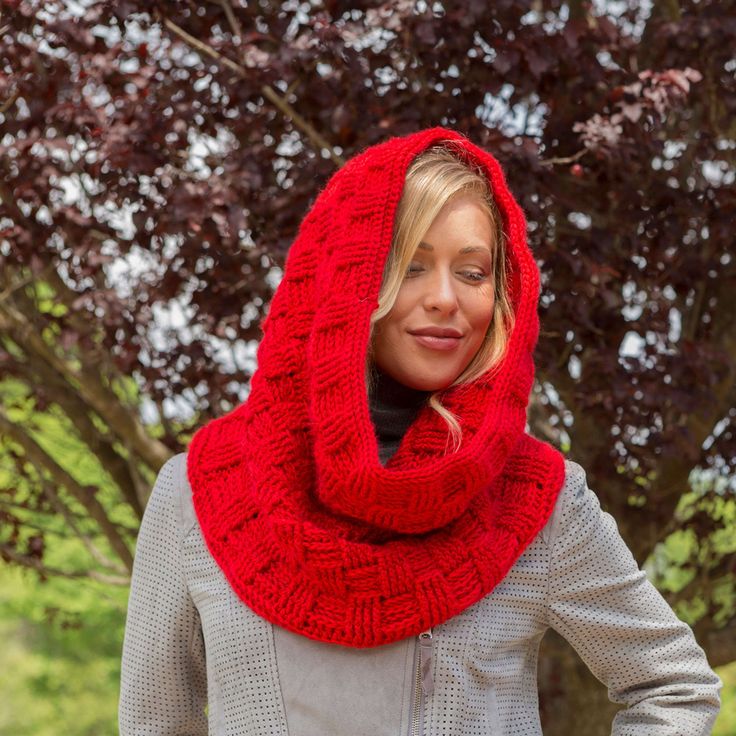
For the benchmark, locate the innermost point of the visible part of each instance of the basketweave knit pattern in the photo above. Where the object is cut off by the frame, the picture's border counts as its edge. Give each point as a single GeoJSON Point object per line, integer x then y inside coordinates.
{"type": "Point", "coordinates": [312, 532]}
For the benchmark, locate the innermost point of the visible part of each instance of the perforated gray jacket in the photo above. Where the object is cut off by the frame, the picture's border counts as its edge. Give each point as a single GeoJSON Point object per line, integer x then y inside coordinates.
{"type": "Point", "coordinates": [196, 660]}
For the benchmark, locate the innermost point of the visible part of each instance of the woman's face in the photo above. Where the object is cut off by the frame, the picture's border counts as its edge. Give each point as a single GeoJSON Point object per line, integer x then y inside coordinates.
{"type": "Point", "coordinates": [447, 288]}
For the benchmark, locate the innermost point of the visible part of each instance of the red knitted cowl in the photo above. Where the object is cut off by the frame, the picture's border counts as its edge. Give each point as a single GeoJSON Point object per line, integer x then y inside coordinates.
{"type": "Point", "coordinates": [311, 531]}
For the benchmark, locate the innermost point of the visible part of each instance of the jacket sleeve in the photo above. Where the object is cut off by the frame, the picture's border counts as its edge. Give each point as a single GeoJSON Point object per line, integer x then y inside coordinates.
{"type": "Point", "coordinates": [163, 684]}
{"type": "Point", "coordinates": [621, 626]}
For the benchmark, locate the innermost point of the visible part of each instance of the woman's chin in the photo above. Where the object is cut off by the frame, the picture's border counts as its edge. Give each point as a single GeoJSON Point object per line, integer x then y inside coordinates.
{"type": "Point", "coordinates": [427, 382]}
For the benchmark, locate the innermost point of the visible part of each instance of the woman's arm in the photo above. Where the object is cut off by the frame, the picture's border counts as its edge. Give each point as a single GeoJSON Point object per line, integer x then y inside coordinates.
{"type": "Point", "coordinates": [621, 626]}
{"type": "Point", "coordinates": [163, 687]}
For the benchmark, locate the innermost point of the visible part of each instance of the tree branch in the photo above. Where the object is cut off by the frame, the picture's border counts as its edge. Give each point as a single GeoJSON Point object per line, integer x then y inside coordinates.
{"type": "Point", "coordinates": [279, 102]}
{"type": "Point", "coordinates": [40, 458]}
{"type": "Point", "coordinates": [63, 510]}
{"type": "Point", "coordinates": [77, 517]}
{"type": "Point", "coordinates": [100, 443]}
{"type": "Point", "coordinates": [231, 19]}
{"type": "Point", "coordinates": [89, 387]}
{"type": "Point", "coordinates": [36, 564]}
{"type": "Point", "coordinates": [564, 159]}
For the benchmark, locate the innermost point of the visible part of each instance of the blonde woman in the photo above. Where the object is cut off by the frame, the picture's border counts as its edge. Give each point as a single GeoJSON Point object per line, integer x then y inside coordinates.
{"type": "Point", "coordinates": [372, 543]}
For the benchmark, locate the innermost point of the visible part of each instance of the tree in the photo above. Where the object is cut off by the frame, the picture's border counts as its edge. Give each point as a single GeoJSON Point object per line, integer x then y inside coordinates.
{"type": "Point", "coordinates": [156, 162]}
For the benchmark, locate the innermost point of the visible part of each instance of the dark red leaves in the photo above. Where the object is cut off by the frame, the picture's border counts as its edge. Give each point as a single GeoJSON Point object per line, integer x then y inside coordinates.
{"type": "Point", "coordinates": [160, 181]}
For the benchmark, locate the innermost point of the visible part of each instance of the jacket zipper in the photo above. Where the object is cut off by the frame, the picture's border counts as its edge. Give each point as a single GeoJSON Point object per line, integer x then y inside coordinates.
{"type": "Point", "coordinates": [423, 681]}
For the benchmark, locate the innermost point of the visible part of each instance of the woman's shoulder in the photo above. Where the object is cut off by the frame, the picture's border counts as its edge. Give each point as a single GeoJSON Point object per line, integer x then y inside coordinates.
{"type": "Point", "coordinates": [576, 503]}
{"type": "Point", "coordinates": [171, 493]}
{"type": "Point", "coordinates": [185, 508]}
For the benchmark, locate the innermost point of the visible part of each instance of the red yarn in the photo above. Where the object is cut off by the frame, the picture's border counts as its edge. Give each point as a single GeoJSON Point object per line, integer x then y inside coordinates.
{"type": "Point", "coordinates": [311, 531]}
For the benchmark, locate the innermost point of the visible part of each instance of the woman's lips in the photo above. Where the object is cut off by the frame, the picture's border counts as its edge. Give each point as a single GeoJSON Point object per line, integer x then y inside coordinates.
{"type": "Point", "coordinates": [437, 343]}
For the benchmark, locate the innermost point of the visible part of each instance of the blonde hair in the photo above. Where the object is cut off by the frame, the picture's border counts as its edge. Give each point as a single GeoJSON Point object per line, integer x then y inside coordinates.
{"type": "Point", "coordinates": [433, 178]}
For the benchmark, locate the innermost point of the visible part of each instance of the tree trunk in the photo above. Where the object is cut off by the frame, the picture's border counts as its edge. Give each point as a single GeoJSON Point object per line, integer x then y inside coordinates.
{"type": "Point", "coordinates": [571, 700]}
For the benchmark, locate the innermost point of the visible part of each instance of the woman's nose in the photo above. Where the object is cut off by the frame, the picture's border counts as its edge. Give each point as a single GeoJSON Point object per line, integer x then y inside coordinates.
{"type": "Point", "coordinates": [441, 291]}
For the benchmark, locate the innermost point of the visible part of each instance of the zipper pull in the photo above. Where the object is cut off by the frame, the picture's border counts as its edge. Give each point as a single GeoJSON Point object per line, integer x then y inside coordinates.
{"type": "Point", "coordinates": [425, 661]}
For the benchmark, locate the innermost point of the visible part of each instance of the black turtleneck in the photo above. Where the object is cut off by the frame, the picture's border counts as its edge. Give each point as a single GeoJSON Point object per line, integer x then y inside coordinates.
{"type": "Point", "coordinates": [393, 407]}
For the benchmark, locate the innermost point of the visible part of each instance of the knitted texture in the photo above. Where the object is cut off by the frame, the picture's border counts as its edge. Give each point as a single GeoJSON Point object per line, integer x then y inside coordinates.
{"type": "Point", "coordinates": [311, 531]}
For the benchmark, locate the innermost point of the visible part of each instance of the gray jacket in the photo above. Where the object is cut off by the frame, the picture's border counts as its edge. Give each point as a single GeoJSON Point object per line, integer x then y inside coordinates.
{"type": "Point", "coordinates": [190, 642]}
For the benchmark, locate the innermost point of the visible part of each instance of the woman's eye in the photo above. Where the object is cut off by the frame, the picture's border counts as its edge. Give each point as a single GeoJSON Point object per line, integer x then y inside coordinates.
{"type": "Point", "coordinates": [474, 275]}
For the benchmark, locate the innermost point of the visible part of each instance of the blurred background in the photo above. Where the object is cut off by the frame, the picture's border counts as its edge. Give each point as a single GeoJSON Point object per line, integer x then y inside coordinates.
{"type": "Point", "coordinates": [155, 162]}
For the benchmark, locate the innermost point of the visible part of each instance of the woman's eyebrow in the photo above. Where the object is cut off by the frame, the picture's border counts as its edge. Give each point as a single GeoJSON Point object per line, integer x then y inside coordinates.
{"type": "Point", "coordinates": [467, 249]}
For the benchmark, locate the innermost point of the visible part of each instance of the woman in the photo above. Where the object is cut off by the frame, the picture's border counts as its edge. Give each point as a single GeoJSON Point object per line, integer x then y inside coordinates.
{"type": "Point", "coordinates": [372, 543]}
